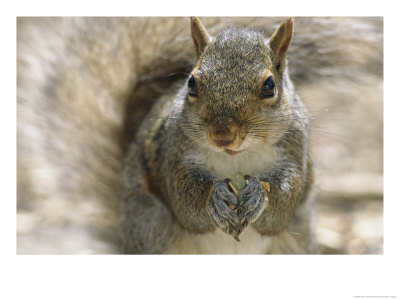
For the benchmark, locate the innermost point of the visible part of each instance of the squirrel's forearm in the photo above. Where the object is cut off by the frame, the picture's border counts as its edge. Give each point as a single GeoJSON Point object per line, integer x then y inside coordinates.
{"type": "Point", "coordinates": [285, 189]}
{"type": "Point", "coordinates": [289, 186]}
{"type": "Point", "coordinates": [189, 189]}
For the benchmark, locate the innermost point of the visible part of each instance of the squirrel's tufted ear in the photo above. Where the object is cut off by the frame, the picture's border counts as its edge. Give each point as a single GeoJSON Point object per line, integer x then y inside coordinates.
{"type": "Point", "coordinates": [279, 43]}
{"type": "Point", "coordinates": [199, 35]}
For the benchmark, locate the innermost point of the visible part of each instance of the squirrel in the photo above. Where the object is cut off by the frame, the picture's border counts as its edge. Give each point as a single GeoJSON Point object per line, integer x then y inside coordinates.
{"type": "Point", "coordinates": [85, 88]}
{"type": "Point", "coordinates": [237, 113]}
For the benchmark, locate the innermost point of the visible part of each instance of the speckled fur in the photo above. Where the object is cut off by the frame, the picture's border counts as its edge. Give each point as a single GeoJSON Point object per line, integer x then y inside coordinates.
{"type": "Point", "coordinates": [173, 168]}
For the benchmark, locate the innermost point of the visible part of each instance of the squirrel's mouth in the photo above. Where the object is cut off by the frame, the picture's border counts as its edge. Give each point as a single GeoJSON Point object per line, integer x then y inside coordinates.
{"type": "Point", "coordinates": [232, 152]}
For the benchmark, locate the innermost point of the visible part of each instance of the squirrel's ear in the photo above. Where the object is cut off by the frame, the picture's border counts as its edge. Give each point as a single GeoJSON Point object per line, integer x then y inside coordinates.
{"type": "Point", "coordinates": [199, 35]}
{"type": "Point", "coordinates": [279, 43]}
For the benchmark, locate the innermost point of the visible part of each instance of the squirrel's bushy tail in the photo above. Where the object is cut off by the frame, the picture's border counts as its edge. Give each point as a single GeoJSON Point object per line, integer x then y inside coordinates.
{"type": "Point", "coordinates": [83, 86]}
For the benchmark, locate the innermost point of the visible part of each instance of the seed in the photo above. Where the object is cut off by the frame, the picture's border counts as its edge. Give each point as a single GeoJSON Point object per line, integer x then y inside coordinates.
{"type": "Point", "coordinates": [238, 182]}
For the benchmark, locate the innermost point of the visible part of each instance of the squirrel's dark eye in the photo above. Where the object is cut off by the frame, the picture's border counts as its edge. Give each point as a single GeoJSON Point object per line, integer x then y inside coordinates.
{"type": "Point", "coordinates": [268, 89]}
{"type": "Point", "coordinates": [192, 86]}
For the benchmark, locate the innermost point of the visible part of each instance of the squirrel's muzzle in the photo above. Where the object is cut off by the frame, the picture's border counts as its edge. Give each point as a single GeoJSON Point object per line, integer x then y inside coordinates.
{"type": "Point", "coordinates": [222, 136]}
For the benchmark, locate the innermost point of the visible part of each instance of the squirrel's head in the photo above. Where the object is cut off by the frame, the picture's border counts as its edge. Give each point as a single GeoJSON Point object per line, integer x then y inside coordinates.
{"type": "Point", "coordinates": [235, 96]}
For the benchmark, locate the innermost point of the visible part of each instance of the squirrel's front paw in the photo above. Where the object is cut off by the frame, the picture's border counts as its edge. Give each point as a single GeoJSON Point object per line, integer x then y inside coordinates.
{"type": "Point", "coordinates": [252, 200]}
{"type": "Point", "coordinates": [221, 208]}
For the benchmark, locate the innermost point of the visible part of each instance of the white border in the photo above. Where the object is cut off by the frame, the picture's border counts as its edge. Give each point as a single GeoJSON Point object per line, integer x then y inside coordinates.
{"type": "Point", "coordinates": [199, 277]}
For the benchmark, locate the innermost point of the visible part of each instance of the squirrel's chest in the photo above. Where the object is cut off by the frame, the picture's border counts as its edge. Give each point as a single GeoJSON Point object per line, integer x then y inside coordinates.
{"type": "Point", "coordinates": [218, 242]}
{"type": "Point", "coordinates": [250, 163]}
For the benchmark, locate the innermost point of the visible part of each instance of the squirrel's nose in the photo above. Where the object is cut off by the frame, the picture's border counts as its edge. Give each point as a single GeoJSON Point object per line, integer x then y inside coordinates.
{"type": "Point", "coordinates": [222, 136]}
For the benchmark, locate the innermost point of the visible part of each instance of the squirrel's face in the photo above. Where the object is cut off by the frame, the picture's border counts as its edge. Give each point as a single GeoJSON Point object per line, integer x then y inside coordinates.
{"type": "Point", "coordinates": [235, 101]}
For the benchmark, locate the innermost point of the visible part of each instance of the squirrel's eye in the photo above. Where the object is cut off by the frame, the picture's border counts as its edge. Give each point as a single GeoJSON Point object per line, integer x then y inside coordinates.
{"type": "Point", "coordinates": [192, 86]}
{"type": "Point", "coordinates": [268, 89]}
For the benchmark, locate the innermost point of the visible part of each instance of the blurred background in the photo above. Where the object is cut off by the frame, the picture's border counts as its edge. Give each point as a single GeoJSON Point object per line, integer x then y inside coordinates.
{"type": "Point", "coordinates": [64, 206]}
{"type": "Point", "coordinates": [347, 143]}
{"type": "Point", "coordinates": [347, 136]}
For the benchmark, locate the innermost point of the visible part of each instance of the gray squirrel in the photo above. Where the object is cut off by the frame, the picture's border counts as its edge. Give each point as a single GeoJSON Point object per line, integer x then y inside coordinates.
{"type": "Point", "coordinates": [237, 113]}
{"type": "Point", "coordinates": [86, 85]}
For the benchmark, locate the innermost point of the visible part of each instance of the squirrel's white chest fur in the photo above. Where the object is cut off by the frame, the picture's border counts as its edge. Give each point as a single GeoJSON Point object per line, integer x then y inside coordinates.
{"type": "Point", "coordinates": [218, 242]}
{"type": "Point", "coordinates": [251, 162]}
